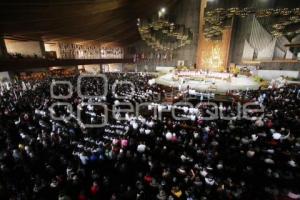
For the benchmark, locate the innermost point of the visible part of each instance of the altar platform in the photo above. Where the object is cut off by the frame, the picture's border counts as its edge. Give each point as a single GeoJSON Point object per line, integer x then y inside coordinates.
{"type": "Point", "coordinates": [212, 82]}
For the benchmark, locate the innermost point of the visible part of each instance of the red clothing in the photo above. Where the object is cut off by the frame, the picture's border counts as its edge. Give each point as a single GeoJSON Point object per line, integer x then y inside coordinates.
{"type": "Point", "coordinates": [82, 197]}
{"type": "Point", "coordinates": [269, 124]}
{"type": "Point", "coordinates": [148, 179]}
{"type": "Point", "coordinates": [94, 189]}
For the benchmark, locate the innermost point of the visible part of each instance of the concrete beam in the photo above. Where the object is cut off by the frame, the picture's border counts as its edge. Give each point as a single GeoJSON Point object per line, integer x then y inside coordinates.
{"type": "Point", "coordinates": [23, 63]}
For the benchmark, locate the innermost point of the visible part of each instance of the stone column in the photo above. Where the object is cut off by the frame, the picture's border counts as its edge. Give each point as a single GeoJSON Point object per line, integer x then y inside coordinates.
{"type": "Point", "coordinates": [42, 46]}
{"type": "Point", "coordinates": [3, 50]}
{"type": "Point", "coordinates": [101, 68]}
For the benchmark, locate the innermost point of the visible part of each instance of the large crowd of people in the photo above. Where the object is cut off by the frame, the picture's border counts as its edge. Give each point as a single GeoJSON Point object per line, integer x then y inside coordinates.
{"type": "Point", "coordinates": [139, 156]}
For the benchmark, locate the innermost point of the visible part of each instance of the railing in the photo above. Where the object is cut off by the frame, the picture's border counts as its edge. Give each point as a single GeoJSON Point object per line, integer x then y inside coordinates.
{"type": "Point", "coordinates": [25, 63]}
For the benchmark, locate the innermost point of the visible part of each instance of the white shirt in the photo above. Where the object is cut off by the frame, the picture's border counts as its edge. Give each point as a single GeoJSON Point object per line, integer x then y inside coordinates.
{"type": "Point", "coordinates": [83, 158]}
{"type": "Point", "coordinates": [141, 148]}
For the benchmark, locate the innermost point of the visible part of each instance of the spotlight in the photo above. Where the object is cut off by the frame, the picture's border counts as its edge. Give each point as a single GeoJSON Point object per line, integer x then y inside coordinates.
{"type": "Point", "coordinates": [163, 10]}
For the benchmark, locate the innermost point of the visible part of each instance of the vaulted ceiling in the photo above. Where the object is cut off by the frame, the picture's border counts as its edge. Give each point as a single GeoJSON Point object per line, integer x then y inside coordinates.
{"type": "Point", "coordinates": [101, 21]}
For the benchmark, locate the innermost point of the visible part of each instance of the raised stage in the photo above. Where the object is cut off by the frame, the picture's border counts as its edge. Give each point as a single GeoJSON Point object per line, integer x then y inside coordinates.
{"type": "Point", "coordinates": [211, 82]}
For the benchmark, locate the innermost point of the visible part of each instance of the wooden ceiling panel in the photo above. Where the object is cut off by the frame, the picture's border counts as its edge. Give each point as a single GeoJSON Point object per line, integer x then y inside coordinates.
{"type": "Point", "coordinates": [80, 20]}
